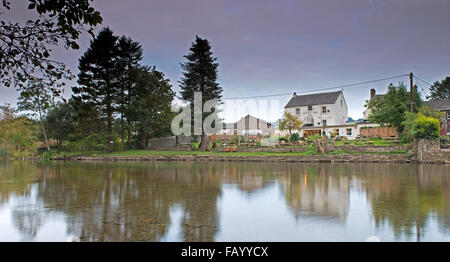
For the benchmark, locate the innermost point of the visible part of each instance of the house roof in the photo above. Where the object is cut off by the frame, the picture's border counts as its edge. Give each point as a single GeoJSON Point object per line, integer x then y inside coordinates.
{"type": "Point", "coordinates": [314, 99]}
{"type": "Point", "coordinates": [439, 104]}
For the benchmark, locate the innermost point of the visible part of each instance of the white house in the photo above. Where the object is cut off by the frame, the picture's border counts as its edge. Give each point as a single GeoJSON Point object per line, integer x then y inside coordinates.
{"type": "Point", "coordinates": [319, 110]}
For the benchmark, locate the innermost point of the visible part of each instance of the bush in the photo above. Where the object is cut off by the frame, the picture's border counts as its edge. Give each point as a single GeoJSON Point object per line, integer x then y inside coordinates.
{"type": "Point", "coordinates": [94, 142]}
{"type": "Point", "coordinates": [295, 137]}
{"type": "Point", "coordinates": [426, 127]}
{"type": "Point", "coordinates": [445, 140]}
{"type": "Point", "coordinates": [18, 137]}
{"type": "Point", "coordinates": [285, 139]}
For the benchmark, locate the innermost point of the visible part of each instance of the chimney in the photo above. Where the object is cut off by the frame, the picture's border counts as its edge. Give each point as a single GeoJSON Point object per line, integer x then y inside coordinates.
{"type": "Point", "coordinates": [372, 93]}
{"type": "Point", "coordinates": [294, 94]}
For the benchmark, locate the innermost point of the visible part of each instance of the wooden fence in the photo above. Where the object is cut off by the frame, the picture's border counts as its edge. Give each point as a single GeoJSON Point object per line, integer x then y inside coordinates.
{"type": "Point", "coordinates": [379, 132]}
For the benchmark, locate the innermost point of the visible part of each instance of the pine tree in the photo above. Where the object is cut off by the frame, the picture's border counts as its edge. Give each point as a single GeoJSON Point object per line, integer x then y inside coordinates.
{"type": "Point", "coordinates": [200, 75]}
{"type": "Point", "coordinates": [129, 56]}
{"type": "Point", "coordinates": [98, 79]}
{"type": "Point", "coordinates": [440, 90]}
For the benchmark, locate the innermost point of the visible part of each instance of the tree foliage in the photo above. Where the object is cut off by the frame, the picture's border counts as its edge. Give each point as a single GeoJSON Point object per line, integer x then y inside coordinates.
{"type": "Point", "coordinates": [149, 112]}
{"type": "Point", "coordinates": [200, 75]}
{"type": "Point", "coordinates": [18, 137]}
{"type": "Point", "coordinates": [118, 98]}
{"type": "Point", "coordinates": [440, 90]}
{"type": "Point", "coordinates": [60, 121]}
{"type": "Point", "coordinates": [25, 48]}
{"type": "Point", "coordinates": [290, 122]}
{"type": "Point", "coordinates": [423, 124]}
{"type": "Point", "coordinates": [390, 109]}
{"type": "Point", "coordinates": [98, 78]}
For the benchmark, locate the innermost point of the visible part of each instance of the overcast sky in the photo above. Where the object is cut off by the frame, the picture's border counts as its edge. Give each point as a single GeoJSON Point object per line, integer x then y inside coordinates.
{"type": "Point", "coordinates": [270, 47]}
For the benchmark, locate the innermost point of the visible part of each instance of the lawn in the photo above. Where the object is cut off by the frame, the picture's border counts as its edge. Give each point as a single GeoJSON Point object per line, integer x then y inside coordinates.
{"type": "Point", "coordinates": [137, 153]}
{"type": "Point", "coordinates": [375, 141]}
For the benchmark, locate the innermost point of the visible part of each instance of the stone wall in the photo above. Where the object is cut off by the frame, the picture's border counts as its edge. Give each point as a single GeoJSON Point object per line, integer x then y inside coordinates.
{"type": "Point", "coordinates": [438, 156]}
{"type": "Point", "coordinates": [374, 158]}
{"type": "Point", "coordinates": [429, 151]}
{"type": "Point", "coordinates": [362, 149]}
{"type": "Point", "coordinates": [164, 142]}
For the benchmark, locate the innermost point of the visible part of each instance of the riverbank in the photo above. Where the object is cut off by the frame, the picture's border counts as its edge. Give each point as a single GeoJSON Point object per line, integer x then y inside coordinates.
{"type": "Point", "coordinates": [154, 155]}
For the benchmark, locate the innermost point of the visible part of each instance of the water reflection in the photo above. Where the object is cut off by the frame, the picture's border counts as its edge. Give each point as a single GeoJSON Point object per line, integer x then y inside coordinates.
{"type": "Point", "coordinates": [144, 201]}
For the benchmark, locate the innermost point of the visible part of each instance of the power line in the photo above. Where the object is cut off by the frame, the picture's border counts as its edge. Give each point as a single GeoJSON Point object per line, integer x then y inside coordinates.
{"type": "Point", "coordinates": [315, 90]}
{"type": "Point", "coordinates": [322, 89]}
{"type": "Point", "coordinates": [418, 78]}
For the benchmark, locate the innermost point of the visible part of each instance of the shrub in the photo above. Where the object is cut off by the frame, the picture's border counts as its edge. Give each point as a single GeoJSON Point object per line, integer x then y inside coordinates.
{"type": "Point", "coordinates": [426, 127]}
{"type": "Point", "coordinates": [18, 137]}
{"type": "Point", "coordinates": [94, 142]}
{"type": "Point", "coordinates": [285, 139]}
{"type": "Point", "coordinates": [295, 137]}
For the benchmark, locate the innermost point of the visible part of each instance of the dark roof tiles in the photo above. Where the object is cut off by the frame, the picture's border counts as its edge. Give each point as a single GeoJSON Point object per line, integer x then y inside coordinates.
{"type": "Point", "coordinates": [314, 99]}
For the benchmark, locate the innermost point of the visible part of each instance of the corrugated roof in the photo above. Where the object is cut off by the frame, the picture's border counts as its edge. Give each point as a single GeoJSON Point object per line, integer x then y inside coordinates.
{"type": "Point", "coordinates": [314, 99]}
{"type": "Point", "coordinates": [439, 104]}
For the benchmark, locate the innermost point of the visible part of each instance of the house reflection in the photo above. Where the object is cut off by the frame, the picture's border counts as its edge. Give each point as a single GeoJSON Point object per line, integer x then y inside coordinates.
{"type": "Point", "coordinates": [316, 191]}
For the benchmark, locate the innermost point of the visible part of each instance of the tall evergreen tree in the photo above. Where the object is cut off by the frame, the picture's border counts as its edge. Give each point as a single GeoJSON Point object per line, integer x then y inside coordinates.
{"type": "Point", "coordinates": [98, 79]}
{"type": "Point", "coordinates": [200, 75]}
{"type": "Point", "coordinates": [440, 90]}
{"type": "Point", "coordinates": [129, 56]}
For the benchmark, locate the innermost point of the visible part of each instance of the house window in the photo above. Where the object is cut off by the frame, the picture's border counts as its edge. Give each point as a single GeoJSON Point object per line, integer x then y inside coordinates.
{"type": "Point", "coordinates": [324, 109]}
{"type": "Point", "coordinates": [336, 131]}
{"type": "Point", "coordinates": [349, 131]}
{"type": "Point", "coordinates": [297, 111]}
{"type": "Point", "coordinates": [324, 122]}
{"type": "Point", "coordinates": [310, 108]}
{"type": "Point", "coordinates": [448, 115]}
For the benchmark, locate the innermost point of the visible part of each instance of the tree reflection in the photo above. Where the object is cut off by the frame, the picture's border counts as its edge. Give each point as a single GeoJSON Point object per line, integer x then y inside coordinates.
{"type": "Point", "coordinates": [132, 201]}
{"type": "Point", "coordinates": [406, 198]}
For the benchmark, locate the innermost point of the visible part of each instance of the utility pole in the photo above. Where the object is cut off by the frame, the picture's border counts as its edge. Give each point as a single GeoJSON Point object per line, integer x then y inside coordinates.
{"type": "Point", "coordinates": [411, 87]}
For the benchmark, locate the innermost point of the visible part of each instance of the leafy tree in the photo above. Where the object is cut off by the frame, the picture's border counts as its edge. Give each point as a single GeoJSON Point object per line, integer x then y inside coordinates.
{"type": "Point", "coordinates": [440, 90]}
{"type": "Point", "coordinates": [390, 109]}
{"type": "Point", "coordinates": [25, 49]}
{"type": "Point", "coordinates": [36, 97]}
{"type": "Point", "coordinates": [290, 122]}
{"type": "Point", "coordinates": [7, 112]}
{"type": "Point", "coordinates": [200, 75]}
{"type": "Point", "coordinates": [60, 120]}
{"type": "Point", "coordinates": [18, 137]}
{"type": "Point", "coordinates": [150, 108]}
{"type": "Point", "coordinates": [98, 79]}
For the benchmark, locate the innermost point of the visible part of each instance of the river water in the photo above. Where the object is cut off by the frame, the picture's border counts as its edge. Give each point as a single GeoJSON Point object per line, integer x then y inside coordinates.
{"type": "Point", "coordinates": [223, 201]}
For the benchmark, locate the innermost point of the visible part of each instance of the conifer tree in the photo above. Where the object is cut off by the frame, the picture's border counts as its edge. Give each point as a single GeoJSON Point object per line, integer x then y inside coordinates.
{"type": "Point", "coordinates": [98, 79]}
{"type": "Point", "coordinates": [129, 56]}
{"type": "Point", "coordinates": [200, 75]}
